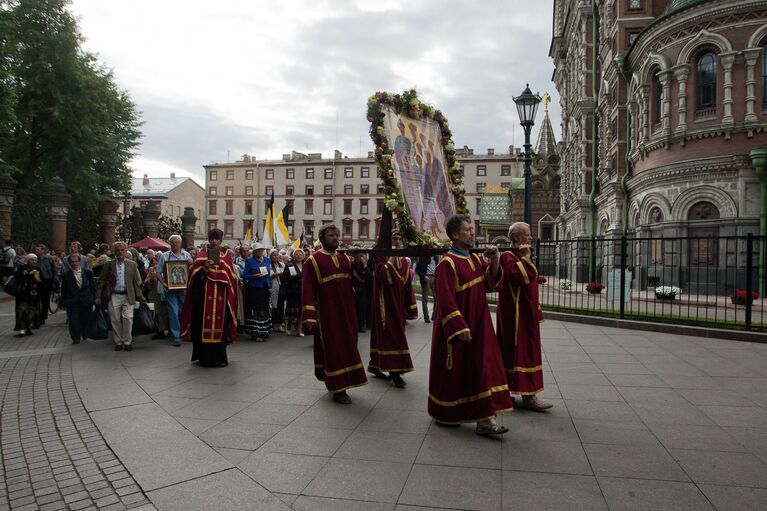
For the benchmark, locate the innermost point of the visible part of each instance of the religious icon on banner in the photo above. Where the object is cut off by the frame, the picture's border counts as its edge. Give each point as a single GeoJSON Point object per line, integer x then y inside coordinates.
{"type": "Point", "coordinates": [416, 160]}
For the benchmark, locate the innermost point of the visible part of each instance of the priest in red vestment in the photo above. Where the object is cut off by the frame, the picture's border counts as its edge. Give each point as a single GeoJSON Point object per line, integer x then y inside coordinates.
{"type": "Point", "coordinates": [466, 380]}
{"type": "Point", "coordinates": [328, 310]}
{"type": "Point", "coordinates": [209, 315]}
{"type": "Point", "coordinates": [518, 320]}
{"type": "Point", "coordinates": [392, 299]}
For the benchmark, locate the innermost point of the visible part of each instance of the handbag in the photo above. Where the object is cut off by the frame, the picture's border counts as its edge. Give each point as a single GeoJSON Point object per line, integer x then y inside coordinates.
{"type": "Point", "coordinates": [143, 321]}
{"type": "Point", "coordinates": [11, 287]}
{"type": "Point", "coordinates": [98, 328]}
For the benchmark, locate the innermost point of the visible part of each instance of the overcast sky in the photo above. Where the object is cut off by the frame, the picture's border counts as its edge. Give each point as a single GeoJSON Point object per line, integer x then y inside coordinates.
{"type": "Point", "coordinates": [215, 80]}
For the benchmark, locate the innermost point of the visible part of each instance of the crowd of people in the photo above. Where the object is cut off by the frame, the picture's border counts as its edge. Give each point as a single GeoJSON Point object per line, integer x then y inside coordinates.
{"type": "Point", "coordinates": [211, 295]}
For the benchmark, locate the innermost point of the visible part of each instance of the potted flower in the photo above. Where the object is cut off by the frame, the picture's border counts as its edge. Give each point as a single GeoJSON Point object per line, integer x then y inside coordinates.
{"type": "Point", "coordinates": [594, 287]}
{"type": "Point", "coordinates": [667, 292]}
{"type": "Point", "coordinates": [739, 297]}
{"type": "Point", "coordinates": [565, 284]}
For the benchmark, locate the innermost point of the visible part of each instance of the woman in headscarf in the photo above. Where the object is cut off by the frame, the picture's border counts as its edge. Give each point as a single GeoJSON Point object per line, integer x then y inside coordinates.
{"type": "Point", "coordinates": [27, 280]}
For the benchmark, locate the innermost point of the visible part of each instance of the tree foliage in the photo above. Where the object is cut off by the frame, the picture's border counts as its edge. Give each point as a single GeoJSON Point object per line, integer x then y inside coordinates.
{"type": "Point", "coordinates": [131, 228]}
{"type": "Point", "coordinates": [61, 113]}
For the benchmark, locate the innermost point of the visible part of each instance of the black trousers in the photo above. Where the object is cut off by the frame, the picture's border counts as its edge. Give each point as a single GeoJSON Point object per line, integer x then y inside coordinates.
{"type": "Point", "coordinates": [46, 288]}
{"type": "Point", "coordinates": [78, 315]}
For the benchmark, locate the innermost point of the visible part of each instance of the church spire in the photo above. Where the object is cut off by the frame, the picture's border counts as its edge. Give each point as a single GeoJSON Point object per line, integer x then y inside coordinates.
{"type": "Point", "coordinates": [546, 143]}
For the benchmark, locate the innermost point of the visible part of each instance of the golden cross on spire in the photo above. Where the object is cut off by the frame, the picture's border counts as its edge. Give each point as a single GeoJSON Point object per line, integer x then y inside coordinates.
{"type": "Point", "coordinates": [546, 100]}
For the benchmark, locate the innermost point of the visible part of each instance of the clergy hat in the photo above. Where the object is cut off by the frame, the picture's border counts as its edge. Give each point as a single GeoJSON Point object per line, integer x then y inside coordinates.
{"type": "Point", "coordinates": [215, 234]}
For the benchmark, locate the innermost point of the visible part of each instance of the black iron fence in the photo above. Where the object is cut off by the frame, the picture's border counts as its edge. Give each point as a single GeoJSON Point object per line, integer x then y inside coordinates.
{"type": "Point", "coordinates": [709, 281]}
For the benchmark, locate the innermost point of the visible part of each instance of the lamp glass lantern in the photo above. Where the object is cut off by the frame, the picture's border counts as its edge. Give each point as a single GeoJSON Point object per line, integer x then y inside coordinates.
{"type": "Point", "coordinates": [527, 106]}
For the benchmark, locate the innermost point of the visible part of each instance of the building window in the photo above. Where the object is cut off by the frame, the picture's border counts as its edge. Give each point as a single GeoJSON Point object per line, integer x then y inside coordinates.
{"type": "Point", "coordinates": [213, 175]}
{"type": "Point", "coordinates": [249, 174]}
{"type": "Point", "coordinates": [764, 77]}
{"type": "Point", "coordinates": [658, 99]}
{"type": "Point", "coordinates": [379, 207]}
{"type": "Point", "coordinates": [547, 232]}
{"type": "Point", "coordinates": [290, 228]}
{"type": "Point", "coordinates": [505, 170]}
{"type": "Point", "coordinates": [213, 191]}
{"type": "Point", "coordinates": [309, 229]}
{"type": "Point", "coordinates": [365, 172]}
{"type": "Point", "coordinates": [477, 229]}
{"type": "Point", "coordinates": [461, 170]}
{"type": "Point", "coordinates": [212, 224]}
{"type": "Point", "coordinates": [309, 207]}
{"type": "Point", "coordinates": [481, 170]}
{"type": "Point", "coordinates": [230, 175]}
{"type": "Point", "coordinates": [230, 190]}
{"type": "Point", "coordinates": [480, 187]}
{"type": "Point", "coordinates": [309, 189]}
{"type": "Point", "coordinates": [347, 206]}
{"type": "Point", "coordinates": [631, 37]}
{"type": "Point", "coordinates": [248, 190]}
{"type": "Point", "coordinates": [328, 173]}
{"type": "Point", "coordinates": [229, 207]}
{"type": "Point", "coordinates": [248, 207]}
{"type": "Point", "coordinates": [364, 230]}
{"type": "Point", "coordinates": [363, 206]}
{"type": "Point", "coordinates": [479, 206]}
{"type": "Point", "coordinates": [290, 174]}
{"type": "Point", "coordinates": [309, 173]}
{"type": "Point", "coordinates": [705, 79]}
{"type": "Point", "coordinates": [289, 190]}
{"type": "Point", "coordinates": [364, 189]}
{"type": "Point", "coordinates": [267, 203]}
{"type": "Point", "coordinates": [269, 174]}
{"type": "Point", "coordinates": [328, 189]}
{"type": "Point", "coordinates": [289, 205]}
{"type": "Point", "coordinates": [212, 207]}
{"type": "Point", "coordinates": [327, 208]}
{"type": "Point", "coordinates": [348, 229]}
{"type": "Point", "coordinates": [505, 186]}
{"type": "Point", "coordinates": [348, 190]}
{"type": "Point", "coordinates": [380, 190]}
{"type": "Point", "coordinates": [247, 225]}
{"type": "Point", "coordinates": [348, 172]}
{"type": "Point", "coordinates": [269, 189]}
{"type": "Point", "coordinates": [228, 228]}
{"type": "Point", "coordinates": [634, 5]}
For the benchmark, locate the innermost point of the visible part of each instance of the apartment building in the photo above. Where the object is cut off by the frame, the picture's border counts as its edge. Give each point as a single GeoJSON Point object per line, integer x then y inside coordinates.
{"type": "Point", "coordinates": [316, 190]}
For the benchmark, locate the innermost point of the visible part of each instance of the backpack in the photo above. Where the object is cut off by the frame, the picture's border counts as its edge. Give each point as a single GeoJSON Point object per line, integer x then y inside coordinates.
{"type": "Point", "coordinates": [4, 259]}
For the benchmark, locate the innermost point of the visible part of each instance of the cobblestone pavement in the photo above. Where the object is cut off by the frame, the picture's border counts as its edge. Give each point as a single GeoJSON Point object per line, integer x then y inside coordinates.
{"type": "Point", "coordinates": [641, 421]}
{"type": "Point", "coordinates": [53, 456]}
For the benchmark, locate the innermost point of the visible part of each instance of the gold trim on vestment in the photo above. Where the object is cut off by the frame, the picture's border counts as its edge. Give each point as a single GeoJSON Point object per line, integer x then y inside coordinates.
{"type": "Point", "coordinates": [390, 352]}
{"type": "Point", "coordinates": [518, 369]}
{"type": "Point", "coordinates": [469, 284]}
{"type": "Point", "coordinates": [458, 332]}
{"type": "Point", "coordinates": [414, 306]}
{"type": "Point", "coordinates": [309, 308]}
{"type": "Point", "coordinates": [348, 387]}
{"type": "Point", "coordinates": [450, 316]}
{"type": "Point", "coordinates": [463, 400]}
{"type": "Point", "coordinates": [382, 307]}
{"type": "Point", "coordinates": [515, 294]}
{"type": "Point", "coordinates": [527, 393]}
{"type": "Point", "coordinates": [521, 266]}
{"type": "Point", "coordinates": [344, 370]}
{"type": "Point", "coordinates": [504, 410]}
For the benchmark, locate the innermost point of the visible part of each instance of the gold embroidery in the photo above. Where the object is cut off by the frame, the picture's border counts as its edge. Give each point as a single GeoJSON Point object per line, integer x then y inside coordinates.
{"type": "Point", "coordinates": [449, 361]}
{"type": "Point", "coordinates": [392, 352]}
{"type": "Point", "coordinates": [344, 370]}
{"type": "Point", "coordinates": [382, 307]}
{"type": "Point", "coordinates": [518, 369]}
{"type": "Point", "coordinates": [449, 261]}
{"type": "Point", "coordinates": [463, 400]}
{"type": "Point", "coordinates": [524, 272]}
{"type": "Point", "coordinates": [309, 308]}
{"type": "Point", "coordinates": [474, 282]}
{"type": "Point", "coordinates": [458, 333]}
{"type": "Point", "coordinates": [450, 316]}
{"type": "Point", "coordinates": [516, 314]}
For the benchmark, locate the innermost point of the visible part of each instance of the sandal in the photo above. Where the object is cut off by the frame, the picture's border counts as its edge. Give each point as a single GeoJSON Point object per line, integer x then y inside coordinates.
{"type": "Point", "coordinates": [491, 430]}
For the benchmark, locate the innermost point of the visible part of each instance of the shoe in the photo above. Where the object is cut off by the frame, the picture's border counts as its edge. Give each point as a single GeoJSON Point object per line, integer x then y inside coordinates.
{"type": "Point", "coordinates": [20, 334]}
{"type": "Point", "coordinates": [398, 381]}
{"type": "Point", "coordinates": [176, 342]}
{"type": "Point", "coordinates": [118, 347]}
{"type": "Point", "coordinates": [342, 398]}
{"type": "Point", "coordinates": [534, 404]}
{"type": "Point", "coordinates": [281, 328]}
{"type": "Point", "coordinates": [426, 320]}
{"type": "Point", "coordinates": [128, 347]}
{"type": "Point", "coordinates": [491, 429]}
{"type": "Point", "coordinates": [377, 373]}
{"type": "Point", "coordinates": [301, 334]}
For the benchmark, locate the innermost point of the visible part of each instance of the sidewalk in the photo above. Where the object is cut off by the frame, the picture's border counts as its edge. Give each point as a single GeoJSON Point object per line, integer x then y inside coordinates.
{"type": "Point", "coordinates": [641, 421]}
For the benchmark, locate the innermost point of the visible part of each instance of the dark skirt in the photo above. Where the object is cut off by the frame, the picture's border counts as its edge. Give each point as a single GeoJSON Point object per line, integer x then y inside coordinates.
{"type": "Point", "coordinates": [258, 319]}
{"type": "Point", "coordinates": [293, 304]}
{"type": "Point", "coordinates": [206, 353]}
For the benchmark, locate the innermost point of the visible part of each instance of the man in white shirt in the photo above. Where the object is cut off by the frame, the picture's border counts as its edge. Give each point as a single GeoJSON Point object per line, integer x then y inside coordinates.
{"type": "Point", "coordinates": [174, 298]}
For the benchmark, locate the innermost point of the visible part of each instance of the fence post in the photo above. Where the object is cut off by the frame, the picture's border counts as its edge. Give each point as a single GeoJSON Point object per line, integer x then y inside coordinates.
{"type": "Point", "coordinates": [623, 275]}
{"type": "Point", "coordinates": [749, 276]}
{"type": "Point", "coordinates": [538, 254]}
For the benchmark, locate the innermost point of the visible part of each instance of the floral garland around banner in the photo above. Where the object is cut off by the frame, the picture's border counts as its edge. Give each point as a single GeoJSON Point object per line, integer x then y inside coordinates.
{"type": "Point", "coordinates": [408, 104]}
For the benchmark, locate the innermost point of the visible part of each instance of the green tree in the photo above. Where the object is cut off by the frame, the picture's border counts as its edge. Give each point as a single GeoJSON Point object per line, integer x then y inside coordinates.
{"type": "Point", "coordinates": [60, 111]}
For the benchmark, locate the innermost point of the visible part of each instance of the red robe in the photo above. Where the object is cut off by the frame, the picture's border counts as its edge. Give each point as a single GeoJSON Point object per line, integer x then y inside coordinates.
{"type": "Point", "coordinates": [389, 351]}
{"type": "Point", "coordinates": [518, 318]}
{"type": "Point", "coordinates": [327, 301]}
{"type": "Point", "coordinates": [220, 294]}
{"type": "Point", "coordinates": [466, 379]}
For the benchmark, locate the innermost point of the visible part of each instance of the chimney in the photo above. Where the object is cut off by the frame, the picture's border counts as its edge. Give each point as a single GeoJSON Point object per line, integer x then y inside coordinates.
{"type": "Point", "coordinates": [490, 151]}
{"type": "Point", "coordinates": [337, 155]}
{"type": "Point", "coordinates": [146, 181]}
{"type": "Point", "coordinates": [173, 176]}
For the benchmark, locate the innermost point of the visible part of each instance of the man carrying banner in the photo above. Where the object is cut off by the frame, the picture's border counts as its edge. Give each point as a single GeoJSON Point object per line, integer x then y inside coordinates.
{"type": "Point", "coordinates": [466, 378]}
{"type": "Point", "coordinates": [327, 310]}
{"type": "Point", "coordinates": [389, 351]}
{"type": "Point", "coordinates": [518, 318]}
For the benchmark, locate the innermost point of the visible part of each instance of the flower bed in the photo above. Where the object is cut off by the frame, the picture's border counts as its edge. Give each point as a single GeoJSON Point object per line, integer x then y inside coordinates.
{"type": "Point", "coordinates": [565, 284]}
{"type": "Point", "coordinates": [667, 292]}
{"type": "Point", "coordinates": [739, 297]}
{"type": "Point", "coordinates": [595, 288]}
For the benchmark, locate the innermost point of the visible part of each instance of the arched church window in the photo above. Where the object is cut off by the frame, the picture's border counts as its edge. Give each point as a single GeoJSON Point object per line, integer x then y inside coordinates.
{"type": "Point", "coordinates": [657, 94]}
{"type": "Point", "coordinates": [705, 79]}
{"type": "Point", "coordinates": [656, 216]}
{"type": "Point", "coordinates": [703, 210]}
{"type": "Point", "coordinates": [703, 243]}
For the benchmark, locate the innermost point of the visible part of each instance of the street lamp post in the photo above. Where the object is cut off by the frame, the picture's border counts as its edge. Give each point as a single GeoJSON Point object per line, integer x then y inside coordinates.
{"type": "Point", "coordinates": [527, 106]}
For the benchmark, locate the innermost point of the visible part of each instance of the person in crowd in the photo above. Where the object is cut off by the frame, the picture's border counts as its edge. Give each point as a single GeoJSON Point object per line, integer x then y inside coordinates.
{"type": "Point", "coordinates": [121, 280]}
{"type": "Point", "coordinates": [76, 248]}
{"type": "Point", "coordinates": [27, 282]}
{"type": "Point", "coordinates": [291, 281]}
{"type": "Point", "coordinates": [361, 295]}
{"type": "Point", "coordinates": [78, 294]}
{"type": "Point", "coordinates": [258, 320]}
{"type": "Point", "coordinates": [243, 252]}
{"type": "Point", "coordinates": [518, 318]}
{"type": "Point", "coordinates": [327, 310]}
{"type": "Point", "coordinates": [174, 298]}
{"type": "Point", "coordinates": [389, 351]}
{"type": "Point", "coordinates": [277, 269]}
{"type": "Point", "coordinates": [424, 268]}
{"type": "Point", "coordinates": [154, 291]}
{"type": "Point", "coordinates": [208, 318]}
{"type": "Point", "coordinates": [7, 261]}
{"type": "Point", "coordinates": [467, 381]}
{"type": "Point", "coordinates": [47, 275]}
{"type": "Point", "coordinates": [136, 258]}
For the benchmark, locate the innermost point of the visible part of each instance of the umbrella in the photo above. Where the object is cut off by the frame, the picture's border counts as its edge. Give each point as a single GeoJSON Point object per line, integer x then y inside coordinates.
{"type": "Point", "coordinates": [153, 243]}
